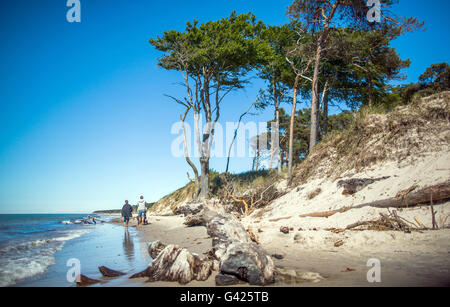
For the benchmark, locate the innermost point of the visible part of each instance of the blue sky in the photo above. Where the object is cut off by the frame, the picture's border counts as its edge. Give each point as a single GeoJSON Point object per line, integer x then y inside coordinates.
{"type": "Point", "coordinates": [84, 124]}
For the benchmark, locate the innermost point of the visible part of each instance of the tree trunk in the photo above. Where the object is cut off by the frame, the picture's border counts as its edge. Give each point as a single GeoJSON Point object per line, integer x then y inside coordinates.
{"type": "Point", "coordinates": [204, 162]}
{"type": "Point", "coordinates": [188, 160]}
{"type": "Point", "coordinates": [315, 84]}
{"type": "Point", "coordinates": [315, 99]}
{"type": "Point", "coordinates": [278, 150]}
{"type": "Point", "coordinates": [370, 94]}
{"type": "Point", "coordinates": [325, 114]}
{"type": "Point", "coordinates": [291, 130]}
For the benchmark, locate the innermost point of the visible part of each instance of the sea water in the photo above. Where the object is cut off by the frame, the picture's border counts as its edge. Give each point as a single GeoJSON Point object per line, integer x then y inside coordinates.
{"type": "Point", "coordinates": [35, 249]}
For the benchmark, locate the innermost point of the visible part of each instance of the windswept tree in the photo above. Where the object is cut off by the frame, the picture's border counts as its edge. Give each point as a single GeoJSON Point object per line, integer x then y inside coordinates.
{"type": "Point", "coordinates": [322, 16]}
{"type": "Point", "coordinates": [213, 59]}
{"type": "Point", "coordinates": [275, 73]}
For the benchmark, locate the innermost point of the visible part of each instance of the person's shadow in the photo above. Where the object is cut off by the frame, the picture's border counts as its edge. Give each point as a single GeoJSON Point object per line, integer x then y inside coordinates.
{"type": "Point", "coordinates": [128, 246]}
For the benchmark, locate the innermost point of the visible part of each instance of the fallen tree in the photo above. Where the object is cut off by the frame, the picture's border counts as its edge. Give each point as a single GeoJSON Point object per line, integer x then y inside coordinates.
{"type": "Point", "coordinates": [436, 193]}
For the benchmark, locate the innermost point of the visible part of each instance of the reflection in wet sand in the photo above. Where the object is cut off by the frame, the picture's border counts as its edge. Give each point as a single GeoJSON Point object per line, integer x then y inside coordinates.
{"type": "Point", "coordinates": [128, 246]}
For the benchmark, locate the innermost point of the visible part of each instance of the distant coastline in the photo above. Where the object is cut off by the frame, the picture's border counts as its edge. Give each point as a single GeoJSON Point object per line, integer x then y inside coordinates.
{"type": "Point", "coordinates": [109, 212]}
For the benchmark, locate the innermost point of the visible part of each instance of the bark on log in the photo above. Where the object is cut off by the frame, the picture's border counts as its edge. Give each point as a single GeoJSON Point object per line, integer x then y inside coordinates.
{"type": "Point", "coordinates": [194, 220]}
{"type": "Point", "coordinates": [227, 280]}
{"type": "Point", "coordinates": [155, 249]}
{"type": "Point", "coordinates": [237, 255]}
{"type": "Point", "coordinates": [107, 272]}
{"type": "Point", "coordinates": [189, 208]}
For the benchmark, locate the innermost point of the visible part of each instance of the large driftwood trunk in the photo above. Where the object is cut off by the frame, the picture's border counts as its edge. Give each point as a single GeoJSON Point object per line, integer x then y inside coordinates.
{"type": "Point", "coordinates": [176, 264]}
{"type": "Point", "coordinates": [238, 256]}
{"type": "Point", "coordinates": [437, 193]}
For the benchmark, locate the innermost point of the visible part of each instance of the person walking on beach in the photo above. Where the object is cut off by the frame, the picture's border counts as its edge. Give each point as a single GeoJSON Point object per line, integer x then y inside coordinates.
{"type": "Point", "coordinates": [127, 213]}
{"type": "Point", "coordinates": [141, 211]}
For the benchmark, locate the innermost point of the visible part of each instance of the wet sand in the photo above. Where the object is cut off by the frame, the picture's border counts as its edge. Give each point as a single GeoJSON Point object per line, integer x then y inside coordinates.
{"type": "Point", "coordinates": [170, 230]}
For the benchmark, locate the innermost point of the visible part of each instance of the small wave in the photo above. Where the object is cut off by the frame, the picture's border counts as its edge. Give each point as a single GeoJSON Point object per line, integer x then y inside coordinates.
{"type": "Point", "coordinates": [27, 259]}
{"type": "Point", "coordinates": [33, 244]}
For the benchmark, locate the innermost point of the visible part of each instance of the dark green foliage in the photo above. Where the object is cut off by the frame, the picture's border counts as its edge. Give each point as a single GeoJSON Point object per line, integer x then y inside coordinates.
{"type": "Point", "coordinates": [434, 80]}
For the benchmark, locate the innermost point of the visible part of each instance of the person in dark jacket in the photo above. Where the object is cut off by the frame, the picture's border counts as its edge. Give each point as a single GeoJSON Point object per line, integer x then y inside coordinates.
{"type": "Point", "coordinates": [127, 213]}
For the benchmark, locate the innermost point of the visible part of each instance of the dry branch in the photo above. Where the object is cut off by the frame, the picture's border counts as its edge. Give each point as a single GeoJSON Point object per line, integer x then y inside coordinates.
{"type": "Point", "coordinates": [326, 213]}
{"type": "Point", "coordinates": [439, 193]}
{"type": "Point", "coordinates": [280, 219]}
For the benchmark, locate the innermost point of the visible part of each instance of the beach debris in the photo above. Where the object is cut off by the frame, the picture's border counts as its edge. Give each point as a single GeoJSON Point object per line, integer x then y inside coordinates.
{"type": "Point", "coordinates": [190, 208]}
{"type": "Point", "coordinates": [419, 222]}
{"type": "Point", "coordinates": [433, 214]}
{"type": "Point", "coordinates": [339, 243]}
{"type": "Point", "coordinates": [194, 220]}
{"type": "Point", "coordinates": [252, 235]}
{"type": "Point", "coordinates": [438, 193]}
{"type": "Point", "coordinates": [84, 281]}
{"type": "Point", "coordinates": [237, 255]}
{"type": "Point", "coordinates": [280, 219]}
{"type": "Point", "coordinates": [292, 277]}
{"type": "Point", "coordinates": [155, 249]}
{"type": "Point", "coordinates": [285, 229]}
{"type": "Point", "coordinates": [177, 264]}
{"type": "Point", "coordinates": [335, 230]}
{"type": "Point", "coordinates": [352, 186]}
{"type": "Point", "coordinates": [387, 222]}
{"type": "Point", "coordinates": [248, 262]}
{"type": "Point", "coordinates": [107, 272]}
{"type": "Point", "coordinates": [314, 193]}
{"type": "Point", "coordinates": [200, 218]}
{"type": "Point", "coordinates": [227, 280]}
{"type": "Point", "coordinates": [326, 214]}
{"type": "Point", "coordinates": [347, 270]}
{"type": "Point", "coordinates": [277, 256]}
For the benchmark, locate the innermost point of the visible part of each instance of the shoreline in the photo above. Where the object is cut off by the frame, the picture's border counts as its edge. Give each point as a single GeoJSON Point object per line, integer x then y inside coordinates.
{"type": "Point", "coordinates": [400, 265]}
{"type": "Point", "coordinates": [170, 230]}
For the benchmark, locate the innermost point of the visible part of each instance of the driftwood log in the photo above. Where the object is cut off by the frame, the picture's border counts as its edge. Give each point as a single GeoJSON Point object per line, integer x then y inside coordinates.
{"type": "Point", "coordinates": [191, 208]}
{"type": "Point", "coordinates": [234, 255]}
{"type": "Point", "coordinates": [436, 193]}
{"type": "Point", "coordinates": [238, 256]}
{"type": "Point", "coordinates": [84, 281]}
{"type": "Point", "coordinates": [176, 264]}
{"type": "Point", "coordinates": [155, 249]}
{"type": "Point", "coordinates": [107, 272]}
